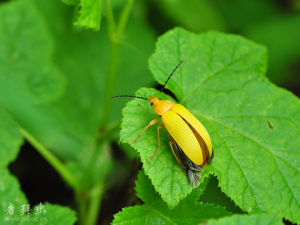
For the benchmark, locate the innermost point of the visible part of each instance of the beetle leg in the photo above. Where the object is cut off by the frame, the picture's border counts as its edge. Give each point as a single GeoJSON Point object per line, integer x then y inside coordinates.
{"type": "Point", "coordinates": [158, 128]}
{"type": "Point", "coordinates": [175, 155]}
{"type": "Point", "coordinates": [152, 122]}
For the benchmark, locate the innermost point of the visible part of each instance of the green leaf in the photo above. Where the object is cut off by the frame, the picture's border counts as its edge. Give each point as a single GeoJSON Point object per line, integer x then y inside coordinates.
{"type": "Point", "coordinates": [41, 214]}
{"type": "Point", "coordinates": [254, 125]}
{"type": "Point", "coordinates": [73, 121]}
{"type": "Point", "coordinates": [169, 180]}
{"type": "Point", "coordinates": [89, 14]}
{"type": "Point", "coordinates": [29, 78]}
{"type": "Point", "coordinates": [52, 214]}
{"type": "Point", "coordinates": [157, 215]}
{"type": "Point", "coordinates": [89, 78]}
{"type": "Point", "coordinates": [12, 200]}
{"type": "Point", "coordinates": [69, 126]}
{"type": "Point", "coordinates": [144, 189]}
{"type": "Point", "coordinates": [155, 211]}
{"type": "Point", "coordinates": [78, 112]}
{"type": "Point", "coordinates": [248, 219]}
{"type": "Point", "coordinates": [27, 73]}
{"type": "Point", "coordinates": [206, 57]}
{"type": "Point", "coordinates": [10, 139]}
{"type": "Point", "coordinates": [146, 192]}
{"type": "Point", "coordinates": [10, 195]}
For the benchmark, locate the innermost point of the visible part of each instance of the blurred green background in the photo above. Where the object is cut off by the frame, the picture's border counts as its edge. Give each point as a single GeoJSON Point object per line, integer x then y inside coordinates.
{"type": "Point", "coordinates": [69, 123]}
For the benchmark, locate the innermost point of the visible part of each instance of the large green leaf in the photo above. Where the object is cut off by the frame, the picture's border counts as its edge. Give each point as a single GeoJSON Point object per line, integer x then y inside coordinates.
{"type": "Point", "coordinates": [28, 76]}
{"type": "Point", "coordinates": [69, 126]}
{"type": "Point", "coordinates": [73, 121]}
{"type": "Point", "coordinates": [254, 125]}
{"type": "Point", "coordinates": [155, 211]}
{"type": "Point", "coordinates": [86, 68]}
{"type": "Point", "coordinates": [247, 219]}
{"type": "Point", "coordinates": [26, 71]}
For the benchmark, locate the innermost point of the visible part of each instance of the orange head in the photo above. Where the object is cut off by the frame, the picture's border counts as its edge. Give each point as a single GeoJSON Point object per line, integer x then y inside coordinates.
{"type": "Point", "coordinates": [160, 106]}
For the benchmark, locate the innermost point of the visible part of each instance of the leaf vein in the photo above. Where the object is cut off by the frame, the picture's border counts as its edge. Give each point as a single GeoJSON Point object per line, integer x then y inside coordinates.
{"type": "Point", "coordinates": [259, 144]}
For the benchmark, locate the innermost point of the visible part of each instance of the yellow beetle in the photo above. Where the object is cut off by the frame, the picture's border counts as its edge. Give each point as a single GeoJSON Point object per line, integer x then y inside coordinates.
{"type": "Point", "coordinates": [190, 142]}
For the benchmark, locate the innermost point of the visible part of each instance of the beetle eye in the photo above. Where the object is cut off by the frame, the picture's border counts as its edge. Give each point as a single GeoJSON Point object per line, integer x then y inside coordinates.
{"type": "Point", "coordinates": [151, 103]}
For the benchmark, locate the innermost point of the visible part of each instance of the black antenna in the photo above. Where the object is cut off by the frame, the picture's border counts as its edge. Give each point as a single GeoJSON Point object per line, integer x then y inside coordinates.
{"type": "Point", "coordinates": [130, 96]}
{"type": "Point", "coordinates": [170, 76]}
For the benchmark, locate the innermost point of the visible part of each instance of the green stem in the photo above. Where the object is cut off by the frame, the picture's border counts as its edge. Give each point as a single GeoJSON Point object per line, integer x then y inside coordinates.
{"type": "Point", "coordinates": [110, 20]}
{"type": "Point", "coordinates": [52, 160]}
{"type": "Point", "coordinates": [124, 18]}
{"type": "Point", "coordinates": [115, 34]}
{"type": "Point", "coordinates": [115, 38]}
{"type": "Point", "coordinates": [110, 84]}
{"type": "Point", "coordinates": [82, 204]}
{"type": "Point", "coordinates": [95, 200]}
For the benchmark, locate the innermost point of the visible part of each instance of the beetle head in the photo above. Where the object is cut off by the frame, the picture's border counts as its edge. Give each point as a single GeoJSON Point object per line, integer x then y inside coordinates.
{"type": "Point", "coordinates": [153, 100]}
{"type": "Point", "coordinates": [160, 106]}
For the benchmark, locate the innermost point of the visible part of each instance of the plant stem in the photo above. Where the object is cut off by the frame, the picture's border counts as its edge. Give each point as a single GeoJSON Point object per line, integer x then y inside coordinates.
{"type": "Point", "coordinates": [110, 83]}
{"type": "Point", "coordinates": [115, 35]}
{"type": "Point", "coordinates": [52, 160]}
{"type": "Point", "coordinates": [115, 39]}
{"type": "Point", "coordinates": [124, 18]}
{"type": "Point", "coordinates": [82, 204]}
{"type": "Point", "coordinates": [94, 205]}
{"type": "Point", "coordinates": [110, 20]}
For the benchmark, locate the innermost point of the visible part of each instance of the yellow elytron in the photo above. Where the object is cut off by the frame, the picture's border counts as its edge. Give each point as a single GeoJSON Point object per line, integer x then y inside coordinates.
{"type": "Point", "coordinates": [190, 142]}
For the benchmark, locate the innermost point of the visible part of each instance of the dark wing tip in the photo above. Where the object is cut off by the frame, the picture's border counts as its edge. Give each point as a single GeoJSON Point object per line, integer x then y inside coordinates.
{"type": "Point", "coordinates": [194, 178]}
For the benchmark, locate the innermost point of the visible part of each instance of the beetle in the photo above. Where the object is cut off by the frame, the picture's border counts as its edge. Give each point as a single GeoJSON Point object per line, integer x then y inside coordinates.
{"type": "Point", "coordinates": [190, 142]}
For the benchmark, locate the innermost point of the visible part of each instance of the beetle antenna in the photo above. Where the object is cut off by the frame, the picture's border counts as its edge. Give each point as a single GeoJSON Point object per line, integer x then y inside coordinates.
{"type": "Point", "coordinates": [170, 76]}
{"type": "Point", "coordinates": [130, 96]}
